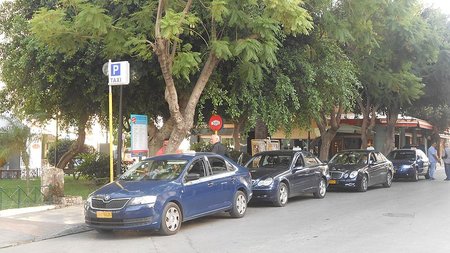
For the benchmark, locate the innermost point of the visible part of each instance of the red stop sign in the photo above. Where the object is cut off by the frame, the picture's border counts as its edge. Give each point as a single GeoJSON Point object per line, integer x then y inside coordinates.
{"type": "Point", "coordinates": [215, 123]}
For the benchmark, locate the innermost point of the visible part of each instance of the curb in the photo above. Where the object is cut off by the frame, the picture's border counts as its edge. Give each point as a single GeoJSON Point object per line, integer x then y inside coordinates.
{"type": "Point", "coordinates": [15, 211]}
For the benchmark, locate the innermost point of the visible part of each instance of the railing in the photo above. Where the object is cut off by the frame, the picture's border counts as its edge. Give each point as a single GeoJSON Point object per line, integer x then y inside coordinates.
{"type": "Point", "coordinates": [18, 197]}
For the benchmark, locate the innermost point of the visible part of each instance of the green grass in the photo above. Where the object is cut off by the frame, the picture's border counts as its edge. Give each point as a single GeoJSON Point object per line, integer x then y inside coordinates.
{"type": "Point", "coordinates": [72, 187]}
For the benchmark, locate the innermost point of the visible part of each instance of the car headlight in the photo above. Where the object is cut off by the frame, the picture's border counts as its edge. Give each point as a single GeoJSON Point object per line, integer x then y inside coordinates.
{"type": "Point", "coordinates": [144, 200]}
{"type": "Point", "coordinates": [265, 182]}
{"type": "Point", "coordinates": [346, 175]}
{"type": "Point", "coordinates": [353, 174]}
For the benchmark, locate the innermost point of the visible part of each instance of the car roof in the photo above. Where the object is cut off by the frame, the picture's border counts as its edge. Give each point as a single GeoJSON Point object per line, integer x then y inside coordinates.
{"type": "Point", "coordinates": [281, 152]}
{"type": "Point", "coordinates": [182, 156]}
{"type": "Point", "coordinates": [357, 150]}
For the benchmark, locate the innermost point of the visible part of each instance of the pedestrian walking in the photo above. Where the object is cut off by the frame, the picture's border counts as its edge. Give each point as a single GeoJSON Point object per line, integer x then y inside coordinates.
{"type": "Point", "coordinates": [434, 159]}
{"type": "Point", "coordinates": [217, 146]}
{"type": "Point", "coordinates": [446, 158]}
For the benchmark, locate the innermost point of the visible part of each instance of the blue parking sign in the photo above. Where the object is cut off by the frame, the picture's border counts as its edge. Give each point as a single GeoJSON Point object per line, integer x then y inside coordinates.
{"type": "Point", "coordinates": [119, 73]}
{"type": "Point", "coordinates": [115, 69]}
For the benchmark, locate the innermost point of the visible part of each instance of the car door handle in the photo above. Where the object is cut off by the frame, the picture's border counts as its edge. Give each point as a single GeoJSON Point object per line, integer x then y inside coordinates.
{"type": "Point", "coordinates": [210, 184]}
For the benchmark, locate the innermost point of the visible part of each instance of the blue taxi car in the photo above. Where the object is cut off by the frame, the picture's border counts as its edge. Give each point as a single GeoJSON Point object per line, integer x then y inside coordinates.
{"type": "Point", "coordinates": [161, 192]}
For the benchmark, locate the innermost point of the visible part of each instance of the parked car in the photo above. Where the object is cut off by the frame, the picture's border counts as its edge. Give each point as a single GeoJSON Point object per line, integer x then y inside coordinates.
{"type": "Point", "coordinates": [359, 169]}
{"type": "Point", "coordinates": [409, 163]}
{"type": "Point", "coordinates": [163, 191]}
{"type": "Point", "coordinates": [279, 175]}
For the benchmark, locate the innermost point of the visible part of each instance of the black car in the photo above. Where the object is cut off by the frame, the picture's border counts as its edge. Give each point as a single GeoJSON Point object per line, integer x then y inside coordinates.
{"type": "Point", "coordinates": [359, 169]}
{"type": "Point", "coordinates": [279, 175]}
{"type": "Point", "coordinates": [409, 163]}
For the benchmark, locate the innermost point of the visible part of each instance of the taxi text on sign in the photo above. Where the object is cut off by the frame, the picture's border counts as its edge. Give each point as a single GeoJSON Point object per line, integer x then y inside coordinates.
{"type": "Point", "coordinates": [119, 73]}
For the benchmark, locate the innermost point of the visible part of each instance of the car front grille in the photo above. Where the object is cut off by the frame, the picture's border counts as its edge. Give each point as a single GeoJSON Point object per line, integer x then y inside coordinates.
{"type": "Point", "coordinates": [118, 222]}
{"type": "Point", "coordinates": [113, 204]}
{"type": "Point", "coordinates": [336, 175]}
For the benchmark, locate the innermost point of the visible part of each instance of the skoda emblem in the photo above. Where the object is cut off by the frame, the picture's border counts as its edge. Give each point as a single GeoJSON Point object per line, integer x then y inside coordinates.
{"type": "Point", "coordinates": [107, 197]}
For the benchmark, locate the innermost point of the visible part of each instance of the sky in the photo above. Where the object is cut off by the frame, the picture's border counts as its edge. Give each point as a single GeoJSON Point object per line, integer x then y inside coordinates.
{"type": "Point", "coordinates": [444, 5]}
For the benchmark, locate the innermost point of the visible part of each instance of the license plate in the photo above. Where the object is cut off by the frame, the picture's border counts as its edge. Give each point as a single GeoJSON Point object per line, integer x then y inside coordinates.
{"type": "Point", "coordinates": [104, 214]}
{"type": "Point", "coordinates": [332, 181]}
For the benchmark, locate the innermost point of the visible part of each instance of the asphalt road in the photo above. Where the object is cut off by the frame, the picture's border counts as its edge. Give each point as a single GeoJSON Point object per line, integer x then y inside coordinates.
{"type": "Point", "coordinates": [408, 217]}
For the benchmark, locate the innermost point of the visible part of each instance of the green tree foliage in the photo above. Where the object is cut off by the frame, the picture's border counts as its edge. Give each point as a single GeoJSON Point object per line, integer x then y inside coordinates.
{"type": "Point", "coordinates": [188, 38]}
{"type": "Point", "coordinates": [14, 139]}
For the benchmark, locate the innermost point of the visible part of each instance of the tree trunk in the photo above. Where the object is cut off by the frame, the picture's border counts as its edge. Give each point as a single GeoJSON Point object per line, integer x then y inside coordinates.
{"type": "Point", "coordinates": [261, 131]}
{"type": "Point", "coordinates": [236, 136]}
{"type": "Point", "coordinates": [392, 117]}
{"type": "Point", "coordinates": [327, 134]}
{"type": "Point", "coordinates": [326, 139]}
{"type": "Point", "coordinates": [368, 122]}
{"type": "Point", "coordinates": [157, 136]}
{"type": "Point", "coordinates": [76, 147]}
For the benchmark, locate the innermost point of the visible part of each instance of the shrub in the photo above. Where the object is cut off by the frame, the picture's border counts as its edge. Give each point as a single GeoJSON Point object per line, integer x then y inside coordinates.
{"type": "Point", "coordinates": [95, 166]}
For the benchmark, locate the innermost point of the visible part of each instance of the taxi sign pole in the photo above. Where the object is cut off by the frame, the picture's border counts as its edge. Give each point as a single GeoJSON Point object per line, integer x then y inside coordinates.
{"type": "Point", "coordinates": [111, 161]}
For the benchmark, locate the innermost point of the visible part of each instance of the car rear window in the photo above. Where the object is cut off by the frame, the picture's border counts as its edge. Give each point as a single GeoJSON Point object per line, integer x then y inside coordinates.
{"type": "Point", "coordinates": [402, 155]}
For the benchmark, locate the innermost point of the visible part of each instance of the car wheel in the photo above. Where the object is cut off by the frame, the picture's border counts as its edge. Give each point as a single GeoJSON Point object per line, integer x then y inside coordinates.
{"type": "Point", "coordinates": [282, 195]}
{"type": "Point", "coordinates": [415, 176]}
{"type": "Point", "coordinates": [239, 205]}
{"type": "Point", "coordinates": [362, 187]}
{"type": "Point", "coordinates": [321, 189]}
{"type": "Point", "coordinates": [427, 175]}
{"type": "Point", "coordinates": [171, 219]}
{"type": "Point", "coordinates": [388, 181]}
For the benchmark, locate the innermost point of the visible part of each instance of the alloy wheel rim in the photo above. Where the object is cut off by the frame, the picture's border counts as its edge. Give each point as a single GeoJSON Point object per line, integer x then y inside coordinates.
{"type": "Point", "coordinates": [283, 195]}
{"type": "Point", "coordinates": [322, 188]}
{"type": "Point", "coordinates": [172, 219]}
{"type": "Point", "coordinates": [364, 183]}
{"type": "Point", "coordinates": [389, 179]}
{"type": "Point", "coordinates": [241, 204]}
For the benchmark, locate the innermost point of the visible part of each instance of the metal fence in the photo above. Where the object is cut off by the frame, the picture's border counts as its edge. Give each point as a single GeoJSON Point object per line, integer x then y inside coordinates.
{"type": "Point", "coordinates": [19, 197]}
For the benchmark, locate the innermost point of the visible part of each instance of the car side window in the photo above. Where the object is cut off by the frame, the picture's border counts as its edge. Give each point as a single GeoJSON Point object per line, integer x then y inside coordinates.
{"type": "Point", "coordinates": [310, 160]}
{"type": "Point", "coordinates": [372, 158]}
{"type": "Point", "coordinates": [380, 157]}
{"type": "Point", "coordinates": [198, 167]}
{"type": "Point", "coordinates": [218, 165]}
{"type": "Point", "coordinates": [299, 162]}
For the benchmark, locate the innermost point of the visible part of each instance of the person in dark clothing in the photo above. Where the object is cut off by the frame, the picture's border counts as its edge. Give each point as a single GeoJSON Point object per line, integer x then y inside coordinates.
{"type": "Point", "coordinates": [217, 146]}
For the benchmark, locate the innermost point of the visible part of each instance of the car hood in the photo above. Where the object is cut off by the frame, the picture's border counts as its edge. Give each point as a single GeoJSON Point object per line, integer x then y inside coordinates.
{"type": "Point", "coordinates": [129, 189]}
{"type": "Point", "coordinates": [345, 167]}
{"type": "Point", "coordinates": [267, 172]}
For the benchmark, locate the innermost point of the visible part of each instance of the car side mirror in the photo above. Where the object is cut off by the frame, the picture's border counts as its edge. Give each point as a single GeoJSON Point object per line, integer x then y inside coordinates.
{"type": "Point", "coordinates": [372, 162]}
{"type": "Point", "coordinates": [192, 177]}
{"type": "Point", "coordinates": [297, 169]}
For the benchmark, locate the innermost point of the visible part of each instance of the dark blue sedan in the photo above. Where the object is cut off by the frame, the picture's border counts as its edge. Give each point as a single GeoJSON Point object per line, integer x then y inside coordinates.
{"type": "Point", "coordinates": [281, 174]}
{"type": "Point", "coordinates": [162, 191]}
{"type": "Point", "coordinates": [409, 163]}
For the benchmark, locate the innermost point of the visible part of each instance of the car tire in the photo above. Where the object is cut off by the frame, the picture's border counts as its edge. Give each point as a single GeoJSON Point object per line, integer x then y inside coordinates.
{"type": "Point", "coordinates": [282, 195]}
{"type": "Point", "coordinates": [239, 205]}
{"type": "Point", "coordinates": [427, 175]}
{"type": "Point", "coordinates": [363, 184]}
{"type": "Point", "coordinates": [321, 189]}
{"type": "Point", "coordinates": [171, 219]}
{"type": "Point", "coordinates": [388, 181]}
{"type": "Point", "coordinates": [415, 176]}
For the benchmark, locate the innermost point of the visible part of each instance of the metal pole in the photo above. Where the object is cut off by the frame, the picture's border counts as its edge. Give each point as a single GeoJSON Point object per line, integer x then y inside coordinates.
{"type": "Point", "coordinates": [56, 142]}
{"type": "Point", "coordinates": [111, 163]}
{"type": "Point", "coordinates": [119, 136]}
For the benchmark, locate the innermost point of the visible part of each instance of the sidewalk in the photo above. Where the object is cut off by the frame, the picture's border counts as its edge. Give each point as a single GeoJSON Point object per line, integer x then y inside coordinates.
{"type": "Point", "coordinates": [26, 225]}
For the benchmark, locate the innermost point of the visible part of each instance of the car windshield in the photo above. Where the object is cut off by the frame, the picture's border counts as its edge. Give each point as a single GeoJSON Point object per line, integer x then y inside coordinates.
{"type": "Point", "coordinates": [269, 161]}
{"type": "Point", "coordinates": [350, 158]}
{"type": "Point", "coordinates": [402, 155]}
{"type": "Point", "coordinates": [154, 170]}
